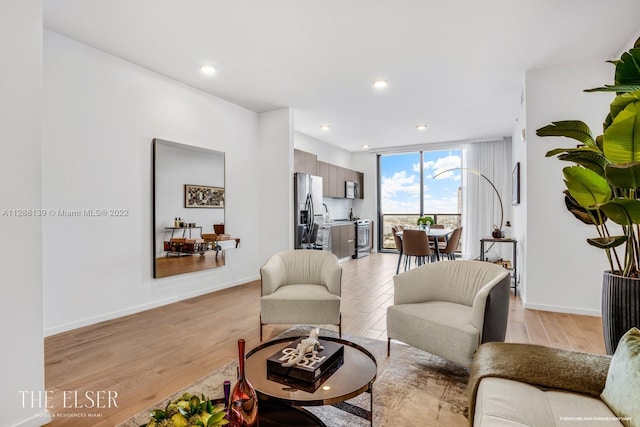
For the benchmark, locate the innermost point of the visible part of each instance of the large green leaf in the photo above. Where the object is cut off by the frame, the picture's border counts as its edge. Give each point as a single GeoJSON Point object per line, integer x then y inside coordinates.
{"type": "Point", "coordinates": [623, 211]}
{"type": "Point", "coordinates": [622, 137]}
{"type": "Point", "coordinates": [587, 187]}
{"type": "Point", "coordinates": [586, 157]}
{"type": "Point", "coordinates": [587, 216]}
{"type": "Point", "coordinates": [607, 242]}
{"type": "Point", "coordinates": [624, 176]}
{"type": "Point", "coordinates": [627, 75]}
{"type": "Point", "coordinates": [574, 129]}
{"type": "Point", "coordinates": [621, 101]}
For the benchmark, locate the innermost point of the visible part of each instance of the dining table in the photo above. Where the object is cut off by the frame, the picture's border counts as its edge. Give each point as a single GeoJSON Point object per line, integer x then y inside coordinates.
{"type": "Point", "coordinates": [436, 233]}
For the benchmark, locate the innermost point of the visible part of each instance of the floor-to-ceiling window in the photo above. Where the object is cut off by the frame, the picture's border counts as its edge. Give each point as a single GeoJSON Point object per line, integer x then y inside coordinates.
{"type": "Point", "coordinates": [415, 184]}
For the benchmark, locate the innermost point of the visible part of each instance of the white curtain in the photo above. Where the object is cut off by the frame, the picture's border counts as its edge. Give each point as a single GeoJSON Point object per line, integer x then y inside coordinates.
{"type": "Point", "coordinates": [480, 204]}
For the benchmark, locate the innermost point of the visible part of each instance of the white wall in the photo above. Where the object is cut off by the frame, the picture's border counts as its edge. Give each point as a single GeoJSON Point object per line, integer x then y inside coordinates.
{"type": "Point", "coordinates": [519, 212]}
{"type": "Point", "coordinates": [563, 273]}
{"type": "Point", "coordinates": [22, 358]}
{"type": "Point", "coordinates": [326, 152]}
{"type": "Point", "coordinates": [100, 116]}
{"type": "Point", "coordinates": [272, 208]}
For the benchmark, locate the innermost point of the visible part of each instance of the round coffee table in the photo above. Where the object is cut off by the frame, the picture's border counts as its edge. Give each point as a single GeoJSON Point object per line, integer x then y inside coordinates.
{"type": "Point", "coordinates": [355, 376]}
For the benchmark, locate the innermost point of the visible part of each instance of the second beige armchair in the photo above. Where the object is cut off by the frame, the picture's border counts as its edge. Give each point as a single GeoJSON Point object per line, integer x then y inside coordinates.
{"type": "Point", "coordinates": [450, 308]}
{"type": "Point", "coordinates": [301, 286]}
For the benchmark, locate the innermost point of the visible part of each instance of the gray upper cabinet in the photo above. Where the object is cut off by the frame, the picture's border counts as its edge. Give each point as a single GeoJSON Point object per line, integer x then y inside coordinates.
{"type": "Point", "coordinates": [305, 162]}
{"type": "Point", "coordinates": [333, 177]}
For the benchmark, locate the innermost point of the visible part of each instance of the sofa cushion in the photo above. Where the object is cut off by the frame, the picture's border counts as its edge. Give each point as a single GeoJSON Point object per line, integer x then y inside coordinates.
{"type": "Point", "coordinates": [301, 304]}
{"type": "Point", "coordinates": [502, 402]}
{"type": "Point", "coordinates": [444, 328]}
{"type": "Point", "coordinates": [622, 388]}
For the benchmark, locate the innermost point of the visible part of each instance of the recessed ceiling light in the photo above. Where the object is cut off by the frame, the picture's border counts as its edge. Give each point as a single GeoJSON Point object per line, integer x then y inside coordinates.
{"type": "Point", "coordinates": [365, 146]}
{"type": "Point", "coordinates": [208, 70]}
{"type": "Point", "coordinates": [325, 127]}
{"type": "Point", "coordinates": [421, 127]}
{"type": "Point", "coordinates": [380, 84]}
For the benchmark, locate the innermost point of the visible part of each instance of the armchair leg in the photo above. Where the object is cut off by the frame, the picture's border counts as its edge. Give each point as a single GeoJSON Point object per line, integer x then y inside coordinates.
{"type": "Point", "coordinates": [260, 328]}
{"type": "Point", "coordinates": [388, 346]}
{"type": "Point", "coordinates": [340, 327]}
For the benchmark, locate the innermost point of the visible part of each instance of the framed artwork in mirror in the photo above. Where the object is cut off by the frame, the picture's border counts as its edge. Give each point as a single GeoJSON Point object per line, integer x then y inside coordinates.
{"type": "Point", "coordinates": [202, 196]}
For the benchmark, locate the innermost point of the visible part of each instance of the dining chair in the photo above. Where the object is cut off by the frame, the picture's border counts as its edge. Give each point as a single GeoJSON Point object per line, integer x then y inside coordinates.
{"type": "Point", "coordinates": [433, 239]}
{"type": "Point", "coordinates": [398, 241]}
{"type": "Point", "coordinates": [415, 243]}
{"type": "Point", "coordinates": [449, 248]}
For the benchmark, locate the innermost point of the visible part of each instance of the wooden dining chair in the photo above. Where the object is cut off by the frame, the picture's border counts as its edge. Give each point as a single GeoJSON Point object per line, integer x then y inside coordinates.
{"type": "Point", "coordinates": [451, 246]}
{"type": "Point", "coordinates": [415, 243]}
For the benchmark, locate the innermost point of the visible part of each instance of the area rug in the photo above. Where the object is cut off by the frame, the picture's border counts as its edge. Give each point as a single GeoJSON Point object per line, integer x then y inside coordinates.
{"type": "Point", "coordinates": [413, 388]}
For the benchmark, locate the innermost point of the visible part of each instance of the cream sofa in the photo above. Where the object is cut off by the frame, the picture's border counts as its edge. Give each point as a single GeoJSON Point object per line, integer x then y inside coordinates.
{"type": "Point", "coordinates": [528, 385]}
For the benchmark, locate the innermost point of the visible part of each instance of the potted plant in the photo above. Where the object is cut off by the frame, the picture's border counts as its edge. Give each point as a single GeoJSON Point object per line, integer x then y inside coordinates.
{"type": "Point", "coordinates": [603, 187]}
{"type": "Point", "coordinates": [424, 222]}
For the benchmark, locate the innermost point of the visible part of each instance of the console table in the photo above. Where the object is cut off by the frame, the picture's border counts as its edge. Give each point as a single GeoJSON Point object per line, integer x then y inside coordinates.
{"type": "Point", "coordinates": [514, 242]}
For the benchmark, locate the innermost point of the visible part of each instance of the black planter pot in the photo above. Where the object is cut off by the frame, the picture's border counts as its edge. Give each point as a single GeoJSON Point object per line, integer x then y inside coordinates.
{"type": "Point", "coordinates": [620, 307]}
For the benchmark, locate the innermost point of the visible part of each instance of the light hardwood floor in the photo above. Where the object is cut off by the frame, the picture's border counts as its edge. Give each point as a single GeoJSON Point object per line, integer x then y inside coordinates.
{"type": "Point", "coordinates": [147, 356]}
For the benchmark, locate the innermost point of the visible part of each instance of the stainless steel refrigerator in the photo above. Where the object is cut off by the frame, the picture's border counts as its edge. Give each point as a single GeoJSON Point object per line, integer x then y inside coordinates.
{"type": "Point", "coordinates": [307, 190]}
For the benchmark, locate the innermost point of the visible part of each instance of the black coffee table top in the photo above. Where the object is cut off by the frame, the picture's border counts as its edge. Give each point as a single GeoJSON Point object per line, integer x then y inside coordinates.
{"type": "Point", "coordinates": [355, 376]}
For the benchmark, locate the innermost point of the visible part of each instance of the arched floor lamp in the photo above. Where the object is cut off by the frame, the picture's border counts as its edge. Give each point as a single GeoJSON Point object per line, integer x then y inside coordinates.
{"type": "Point", "coordinates": [492, 186]}
{"type": "Point", "coordinates": [488, 180]}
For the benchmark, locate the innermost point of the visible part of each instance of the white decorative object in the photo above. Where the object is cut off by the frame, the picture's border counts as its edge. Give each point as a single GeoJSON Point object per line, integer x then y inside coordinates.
{"type": "Point", "coordinates": [307, 345]}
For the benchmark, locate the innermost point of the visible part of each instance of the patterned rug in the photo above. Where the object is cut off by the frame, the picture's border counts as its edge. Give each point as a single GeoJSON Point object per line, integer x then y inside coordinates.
{"type": "Point", "coordinates": [413, 388]}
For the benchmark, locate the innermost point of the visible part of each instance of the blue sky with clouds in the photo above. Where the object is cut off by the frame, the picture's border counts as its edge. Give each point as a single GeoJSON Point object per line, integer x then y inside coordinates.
{"type": "Point", "coordinates": [400, 186]}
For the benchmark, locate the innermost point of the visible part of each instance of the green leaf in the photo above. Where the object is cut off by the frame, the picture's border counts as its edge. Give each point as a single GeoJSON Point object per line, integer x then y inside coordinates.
{"type": "Point", "coordinates": [628, 68]}
{"type": "Point", "coordinates": [556, 151]}
{"type": "Point", "coordinates": [589, 217]}
{"type": "Point", "coordinates": [574, 129]}
{"type": "Point", "coordinates": [588, 158]}
{"type": "Point", "coordinates": [607, 242]}
{"type": "Point", "coordinates": [621, 101]}
{"type": "Point", "coordinates": [624, 176]}
{"type": "Point", "coordinates": [622, 137]}
{"type": "Point", "coordinates": [587, 187]}
{"type": "Point", "coordinates": [158, 414]}
{"type": "Point", "coordinates": [623, 211]}
{"type": "Point", "coordinates": [216, 420]}
{"type": "Point", "coordinates": [615, 88]}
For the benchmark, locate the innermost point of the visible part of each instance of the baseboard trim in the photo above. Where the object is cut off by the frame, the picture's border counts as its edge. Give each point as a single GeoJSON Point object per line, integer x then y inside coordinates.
{"type": "Point", "coordinates": [37, 420]}
{"type": "Point", "coordinates": [143, 307]}
{"type": "Point", "coordinates": [561, 309]}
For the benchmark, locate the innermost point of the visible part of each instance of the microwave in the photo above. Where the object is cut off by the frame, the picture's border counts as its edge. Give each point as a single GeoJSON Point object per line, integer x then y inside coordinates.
{"type": "Point", "coordinates": [351, 190]}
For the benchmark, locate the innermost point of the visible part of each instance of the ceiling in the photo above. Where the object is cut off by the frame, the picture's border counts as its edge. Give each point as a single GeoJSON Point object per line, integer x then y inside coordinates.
{"type": "Point", "coordinates": [456, 66]}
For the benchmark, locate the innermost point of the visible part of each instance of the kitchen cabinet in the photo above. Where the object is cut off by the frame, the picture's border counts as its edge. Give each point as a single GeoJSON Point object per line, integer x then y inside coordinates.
{"type": "Point", "coordinates": [333, 177]}
{"type": "Point", "coordinates": [305, 162]}
{"type": "Point", "coordinates": [323, 171]}
{"type": "Point", "coordinates": [343, 240]}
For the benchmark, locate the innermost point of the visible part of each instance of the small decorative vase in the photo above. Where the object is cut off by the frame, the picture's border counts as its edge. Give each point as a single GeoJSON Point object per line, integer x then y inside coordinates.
{"type": "Point", "coordinates": [243, 402]}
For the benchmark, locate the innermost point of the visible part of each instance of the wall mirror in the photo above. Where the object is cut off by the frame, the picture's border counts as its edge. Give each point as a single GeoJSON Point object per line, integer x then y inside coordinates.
{"type": "Point", "coordinates": [188, 200]}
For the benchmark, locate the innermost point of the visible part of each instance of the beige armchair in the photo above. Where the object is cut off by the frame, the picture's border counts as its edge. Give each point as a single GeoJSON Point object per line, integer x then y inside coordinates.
{"type": "Point", "coordinates": [301, 286]}
{"type": "Point", "coordinates": [450, 308]}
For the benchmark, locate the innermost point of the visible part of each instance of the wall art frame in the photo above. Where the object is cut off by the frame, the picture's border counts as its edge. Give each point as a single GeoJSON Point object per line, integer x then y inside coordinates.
{"type": "Point", "coordinates": [515, 177]}
{"type": "Point", "coordinates": [203, 196]}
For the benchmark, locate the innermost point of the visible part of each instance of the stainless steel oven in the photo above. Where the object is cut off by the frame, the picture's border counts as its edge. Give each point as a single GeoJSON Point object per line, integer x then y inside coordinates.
{"type": "Point", "coordinates": [363, 242]}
